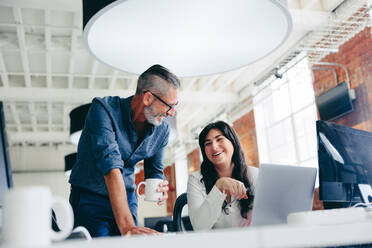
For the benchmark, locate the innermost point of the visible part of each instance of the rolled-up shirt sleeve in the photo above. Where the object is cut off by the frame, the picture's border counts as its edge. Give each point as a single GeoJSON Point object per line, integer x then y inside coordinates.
{"type": "Point", "coordinates": [204, 209]}
{"type": "Point", "coordinates": [103, 139]}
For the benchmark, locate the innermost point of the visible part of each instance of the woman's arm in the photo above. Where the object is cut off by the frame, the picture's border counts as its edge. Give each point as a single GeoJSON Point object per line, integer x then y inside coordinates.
{"type": "Point", "coordinates": [204, 210]}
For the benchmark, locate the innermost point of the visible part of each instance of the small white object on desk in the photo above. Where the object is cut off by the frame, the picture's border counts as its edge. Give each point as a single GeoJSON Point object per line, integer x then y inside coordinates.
{"type": "Point", "coordinates": [366, 192]}
{"type": "Point", "coordinates": [329, 216]}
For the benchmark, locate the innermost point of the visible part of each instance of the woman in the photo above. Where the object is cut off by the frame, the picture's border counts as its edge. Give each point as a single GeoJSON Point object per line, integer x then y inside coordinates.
{"type": "Point", "coordinates": [220, 195]}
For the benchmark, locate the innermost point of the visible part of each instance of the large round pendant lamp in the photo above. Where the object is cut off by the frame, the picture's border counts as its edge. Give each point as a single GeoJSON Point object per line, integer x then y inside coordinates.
{"type": "Point", "coordinates": [190, 37]}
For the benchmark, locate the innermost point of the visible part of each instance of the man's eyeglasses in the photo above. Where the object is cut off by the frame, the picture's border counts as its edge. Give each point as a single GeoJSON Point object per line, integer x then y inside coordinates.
{"type": "Point", "coordinates": [170, 107]}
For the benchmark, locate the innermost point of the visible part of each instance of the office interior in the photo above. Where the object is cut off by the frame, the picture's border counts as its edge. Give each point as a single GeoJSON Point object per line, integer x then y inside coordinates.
{"type": "Point", "coordinates": [46, 72]}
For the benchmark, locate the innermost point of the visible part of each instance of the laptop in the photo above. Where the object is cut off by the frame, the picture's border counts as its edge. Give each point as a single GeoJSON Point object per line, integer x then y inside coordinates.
{"type": "Point", "coordinates": [281, 190]}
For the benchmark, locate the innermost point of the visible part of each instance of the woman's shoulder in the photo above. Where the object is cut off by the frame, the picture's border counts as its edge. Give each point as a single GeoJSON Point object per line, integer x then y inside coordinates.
{"type": "Point", "coordinates": [195, 184]}
{"type": "Point", "coordinates": [195, 175]}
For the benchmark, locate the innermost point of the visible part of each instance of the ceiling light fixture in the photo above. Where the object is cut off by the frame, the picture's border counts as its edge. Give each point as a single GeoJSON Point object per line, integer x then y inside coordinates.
{"type": "Point", "coordinates": [190, 37]}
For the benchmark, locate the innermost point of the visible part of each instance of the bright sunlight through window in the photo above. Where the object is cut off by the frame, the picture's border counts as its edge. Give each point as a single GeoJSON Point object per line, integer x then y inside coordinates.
{"type": "Point", "coordinates": [285, 116]}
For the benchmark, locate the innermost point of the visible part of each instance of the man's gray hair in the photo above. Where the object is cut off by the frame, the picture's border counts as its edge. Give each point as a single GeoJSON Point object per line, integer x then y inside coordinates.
{"type": "Point", "coordinates": [157, 79]}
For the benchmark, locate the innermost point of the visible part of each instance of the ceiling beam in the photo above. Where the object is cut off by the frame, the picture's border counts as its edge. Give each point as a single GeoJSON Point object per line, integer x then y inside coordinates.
{"type": "Point", "coordinates": [231, 78]}
{"type": "Point", "coordinates": [73, 45]}
{"type": "Point", "coordinates": [209, 82]}
{"type": "Point", "coordinates": [22, 46]}
{"type": "Point", "coordinates": [66, 118]}
{"type": "Point", "coordinates": [49, 113]}
{"type": "Point", "coordinates": [310, 4]}
{"type": "Point", "coordinates": [191, 116]}
{"type": "Point", "coordinates": [189, 84]}
{"type": "Point", "coordinates": [199, 111]}
{"type": "Point", "coordinates": [31, 106]}
{"type": "Point", "coordinates": [83, 95]}
{"type": "Point", "coordinates": [113, 79]}
{"type": "Point", "coordinates": [81, 75]}
{"type": "Point", "coordinates": [4, 74]}
{"type": "Point", "coordinates": [92, 76]}
{"type": "Point", "coordinates": [38, 26]}
{"type": "Point", "coordinates": [308, 20]}
{"type": "Point", "coordinates": [65, 5]}
{"type": "Point", "coordinates": [14, 112]}
{"type": "Point", "coordinates": [197, 97]}
{"type": "Point", "coordinates": [133, 84]}
{"type": "Point", "coordinates": [38, 137]}
{"type": "Point", "coordinates": [48, 59]}
{"type": "Point", "coordinates": [57, 95]}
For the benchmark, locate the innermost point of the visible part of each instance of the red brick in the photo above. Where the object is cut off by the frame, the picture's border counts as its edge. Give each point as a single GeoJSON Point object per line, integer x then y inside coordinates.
{"type": "Point", "coordinates": [356, 55]}
{"type": "Point", "coordinates": [194, 160]}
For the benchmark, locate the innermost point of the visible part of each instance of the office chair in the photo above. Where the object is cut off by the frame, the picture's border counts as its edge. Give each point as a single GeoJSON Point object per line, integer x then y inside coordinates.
{"type": "Point", "coordinates": [160, 224]}
{"type": "Point", "coordinates": [181, 223]}
{"type": "Point", "coordinates": [78, 232]}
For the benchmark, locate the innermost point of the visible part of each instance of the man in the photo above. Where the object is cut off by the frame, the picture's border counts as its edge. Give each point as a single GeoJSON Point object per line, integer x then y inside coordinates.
{"type": "Point", "coordinates": [118, 133]}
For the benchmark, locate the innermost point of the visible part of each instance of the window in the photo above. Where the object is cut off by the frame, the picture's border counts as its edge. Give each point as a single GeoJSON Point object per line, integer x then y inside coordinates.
{"type": "Point", "coordinates": [285, 116]}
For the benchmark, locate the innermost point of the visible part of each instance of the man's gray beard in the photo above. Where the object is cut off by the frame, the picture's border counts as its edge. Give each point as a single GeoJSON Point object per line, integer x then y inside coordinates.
{"type": "Point", "coordinates": [151, 117]}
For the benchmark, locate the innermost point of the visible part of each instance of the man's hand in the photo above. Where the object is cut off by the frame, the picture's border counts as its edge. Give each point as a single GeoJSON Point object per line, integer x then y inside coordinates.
{"type": "Point", "coordinates": [140, 231]}
{"type": "Point", "coordinates": [163, 187]}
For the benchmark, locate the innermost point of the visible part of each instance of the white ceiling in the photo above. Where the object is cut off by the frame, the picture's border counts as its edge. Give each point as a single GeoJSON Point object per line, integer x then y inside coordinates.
{"type": "Point", "coordinates": [46, 71]}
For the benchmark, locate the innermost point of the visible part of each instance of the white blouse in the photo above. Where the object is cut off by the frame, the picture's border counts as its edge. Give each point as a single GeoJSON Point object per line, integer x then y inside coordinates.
{"type": "Point", "coordinates": [206, 211]}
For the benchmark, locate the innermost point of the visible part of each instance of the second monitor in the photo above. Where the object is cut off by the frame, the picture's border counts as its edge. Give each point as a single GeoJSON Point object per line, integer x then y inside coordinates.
{"type": "Point", "coordinates": [345, 164]}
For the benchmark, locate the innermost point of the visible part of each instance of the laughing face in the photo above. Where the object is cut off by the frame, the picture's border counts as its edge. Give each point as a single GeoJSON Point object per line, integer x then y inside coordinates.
{"type": "Point", "coordinates": [153, 116]}
{"type": "Point", "coordinates": [218, 148]}
{"type": "Point", "coordinates": [161, 107]}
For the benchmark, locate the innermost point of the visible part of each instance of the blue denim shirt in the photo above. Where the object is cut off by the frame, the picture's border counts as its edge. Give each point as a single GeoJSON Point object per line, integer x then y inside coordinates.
{"type": "Point", "coordinates": [109, 140]}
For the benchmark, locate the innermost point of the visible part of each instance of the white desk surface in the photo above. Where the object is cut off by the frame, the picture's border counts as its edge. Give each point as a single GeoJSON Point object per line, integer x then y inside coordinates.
{"type": "Point", "coordinates": [269, 236]}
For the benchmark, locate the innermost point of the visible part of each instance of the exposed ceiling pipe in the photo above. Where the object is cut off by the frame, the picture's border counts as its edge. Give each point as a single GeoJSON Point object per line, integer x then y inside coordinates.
{"type": "Point", "coordinates": [326, 69]}
{"type": "Point", "coordinates": [337, 64]}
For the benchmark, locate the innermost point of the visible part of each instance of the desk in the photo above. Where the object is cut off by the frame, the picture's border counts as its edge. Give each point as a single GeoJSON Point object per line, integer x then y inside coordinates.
{"type": "Point", "coordinates": [269, 236]}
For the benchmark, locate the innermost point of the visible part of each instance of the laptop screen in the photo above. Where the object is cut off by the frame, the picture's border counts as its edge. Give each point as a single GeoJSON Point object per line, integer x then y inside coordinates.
{"type": "Point", "coordinates": [281, 190]}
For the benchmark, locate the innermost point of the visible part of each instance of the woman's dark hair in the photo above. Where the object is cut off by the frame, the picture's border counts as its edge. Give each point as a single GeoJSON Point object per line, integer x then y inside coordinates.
{"type": "Point", "coordinates": [240, 173]}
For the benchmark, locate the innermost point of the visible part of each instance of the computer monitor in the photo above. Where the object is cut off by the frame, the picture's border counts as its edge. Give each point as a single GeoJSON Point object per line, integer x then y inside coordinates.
{"type": "Point", "coordinates": [335, 102]}
{"type": "Point", "coordinates": [345, 164]}
{"type": "Point", "coordinates": [5, 170]}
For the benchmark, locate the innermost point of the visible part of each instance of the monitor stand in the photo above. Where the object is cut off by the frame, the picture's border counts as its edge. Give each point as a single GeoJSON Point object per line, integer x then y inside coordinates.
{"type": "Point", "coordinates": [365, 192]}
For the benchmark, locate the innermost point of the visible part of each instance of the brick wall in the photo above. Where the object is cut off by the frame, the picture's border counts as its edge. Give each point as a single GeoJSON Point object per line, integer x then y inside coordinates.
{"type": "Point", "coordinates": [245, 127]}
{"type": "Point", "coordinates": [356, 55]}
{"type": "Point", "coordinates": [193, 160]}
{"type": "Point", "coordinates": [170, 174]}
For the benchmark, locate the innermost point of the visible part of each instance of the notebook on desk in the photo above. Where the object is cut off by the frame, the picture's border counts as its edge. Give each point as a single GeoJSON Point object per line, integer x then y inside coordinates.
{"type": "Point", "coordinates": [281, 190]}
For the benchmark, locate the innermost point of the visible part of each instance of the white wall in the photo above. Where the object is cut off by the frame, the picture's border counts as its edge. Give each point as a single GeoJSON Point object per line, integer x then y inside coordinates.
{"type": "Point", "coordinates": [41, 166]}
{"type": "Point", "coordinates": [56, 181]}
{"type": "Point", "coordinates": [36, 159]}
